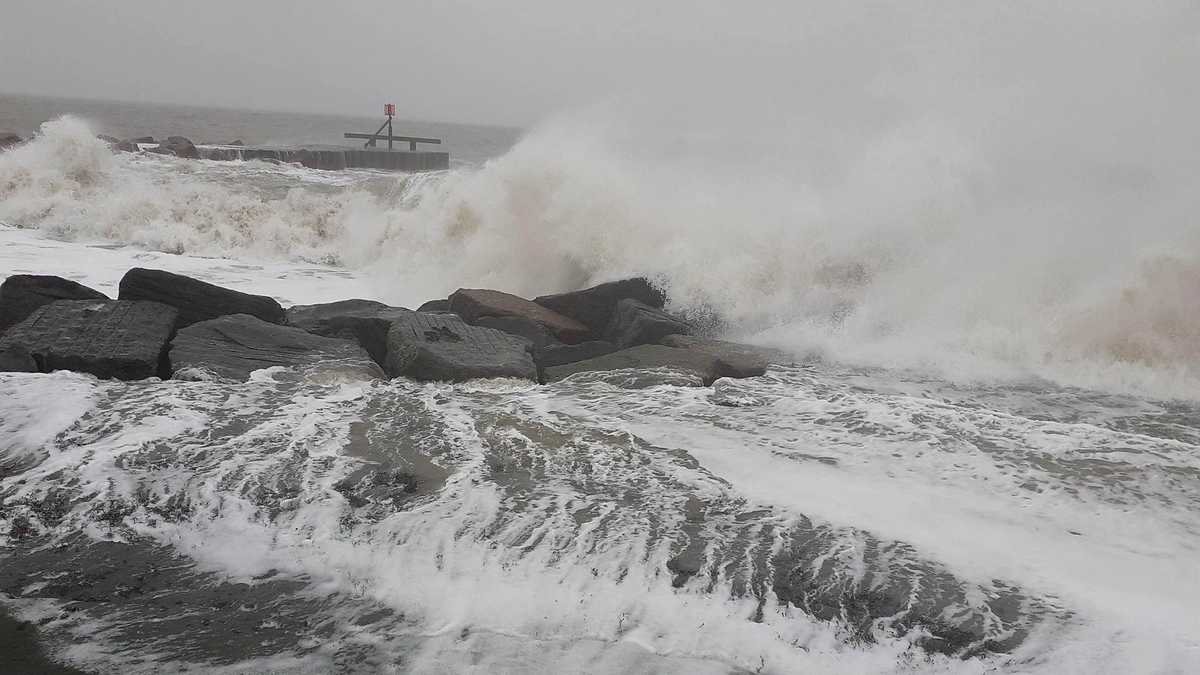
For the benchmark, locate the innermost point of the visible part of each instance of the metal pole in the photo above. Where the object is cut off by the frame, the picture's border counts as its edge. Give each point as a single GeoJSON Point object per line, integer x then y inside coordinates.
{"type": "Point", "coordinates": [389, 132]}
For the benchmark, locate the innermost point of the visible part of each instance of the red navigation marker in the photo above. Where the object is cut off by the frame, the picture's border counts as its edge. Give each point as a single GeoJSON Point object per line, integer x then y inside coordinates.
{"type": "Point", "coordinates": [389, 109]}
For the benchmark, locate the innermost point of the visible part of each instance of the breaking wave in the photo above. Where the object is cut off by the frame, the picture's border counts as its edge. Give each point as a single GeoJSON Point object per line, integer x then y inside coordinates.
{"type": "Point", "coordinates": [910, 248]}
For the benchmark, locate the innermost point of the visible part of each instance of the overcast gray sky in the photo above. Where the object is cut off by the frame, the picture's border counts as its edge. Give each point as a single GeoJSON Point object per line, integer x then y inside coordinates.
{"type": "Point", "coordinates": [515, 62]}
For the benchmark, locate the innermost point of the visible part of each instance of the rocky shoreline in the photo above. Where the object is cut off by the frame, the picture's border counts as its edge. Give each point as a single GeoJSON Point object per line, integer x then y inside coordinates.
{"type": "Point", "coordinates": [167, 325]}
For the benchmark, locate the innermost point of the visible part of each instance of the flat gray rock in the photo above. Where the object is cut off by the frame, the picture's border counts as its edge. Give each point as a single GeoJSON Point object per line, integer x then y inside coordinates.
{"type": "Point", "coordinates": [636, 323]}
{"type": "Point", "coordinates": [443, 347]}
{"type": "Point", "coordinates": [365, 322]}
{"type": "Point", "coordinates": [21, 294]}
{"type": "Point", "coordinates": [107, 338]}
{"type": "Point", "coordinates": [559, 355]}
{"type": "Point", "coordinates": [593, 307]}
{"type": "Point", "coordinates": [196, 300]}
{"type": "Point", "coordinates": [737, 360]}
{"type": "Point", "coordinates": [232, 347]}
{"type": "Point", "coordinates": [644, 357]}
{"type": "Point", "coordinates": [524, 327]}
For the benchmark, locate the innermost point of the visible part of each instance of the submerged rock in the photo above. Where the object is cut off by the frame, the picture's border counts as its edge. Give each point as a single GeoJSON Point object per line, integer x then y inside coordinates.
{"type": "Point", "coordinates": [594, 307]}
{"type": "Point", "coordinates": [107, 338]}
{"type": "Point", "coordinates": [474, 303]}
{"type": "Point", "coordinates": [644, 357]}
{"type": "Point", "coordinates": [21, 294]}
{"type": "Point", "coordinates": [180, 147]}
{"type": "Point", "coordinates": [233, 347]}
{"type": "Point", "coordinates": [443, 347]}
{"type": "Point", "coordinates": [8, 140]}
{"type": "Point", "coordinates": [127, 145]}
{"type": "Point", "coordinates": [196, 300]}
{"type": "Point", "coordinates": [365, 322]}
{"type": "Point", "coordinates": [636, 323]}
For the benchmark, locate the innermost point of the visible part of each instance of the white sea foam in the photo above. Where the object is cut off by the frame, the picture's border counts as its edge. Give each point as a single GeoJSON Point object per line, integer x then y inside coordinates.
{"type": "Point", "coordinates": [565, 573]}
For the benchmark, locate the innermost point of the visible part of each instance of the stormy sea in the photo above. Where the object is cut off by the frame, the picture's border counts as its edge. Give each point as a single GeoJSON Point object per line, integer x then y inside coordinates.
{"type": "Point", "coordinates": [985, 459]}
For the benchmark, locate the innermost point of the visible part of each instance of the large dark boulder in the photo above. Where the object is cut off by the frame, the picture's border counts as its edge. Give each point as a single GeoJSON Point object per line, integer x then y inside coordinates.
{"type": "Point", "coordinates": [232, 347]}
{"type": "Point", "coordinates": [365, 322]}
{"type": "Point", "coordinates": [217, 155]}
{"type": "Point", "coordinates": [196, 300]}
{"type": "Point", "coordinates": [107, 338]}
{"type": "Point", "coordinates": [144, 139]}
{"type": "Point", "coordinates": [474, 303]}
{"type": "Point", "coordinates": [636, 323]}
{"type": "Point", "coordinates": [443, 347]}
{"type": "Point", "coordinates": [127, 145]}
{"type": "Point", "coordinates": [593, 307]}
{"type": "Point", "coordinates": [21, 294]}
{"type": "Point", "coordinates": [8, 140]}
{"type": "Point", "coordinates": [643, 357]}
{"type": "Point", "coordinates": [737, 360]}
{"type": "Point", "coordinates": [180, 147]}
{"type": "Point", "coordinates": [112, 141]}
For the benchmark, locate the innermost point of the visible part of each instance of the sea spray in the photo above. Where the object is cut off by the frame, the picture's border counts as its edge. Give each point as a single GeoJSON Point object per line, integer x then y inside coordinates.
{"type": "Point", "coordinates": [915, 245]}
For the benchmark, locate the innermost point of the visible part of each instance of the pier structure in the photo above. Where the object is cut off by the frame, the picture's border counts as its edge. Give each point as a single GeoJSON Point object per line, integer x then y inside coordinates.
{"type": "Point", "coordinates": [370, 156]}
{"type": "Point", "coordinates": [334, 157]}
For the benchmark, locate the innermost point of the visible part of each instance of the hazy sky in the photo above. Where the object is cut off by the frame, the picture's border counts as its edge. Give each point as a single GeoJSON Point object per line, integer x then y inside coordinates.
{"type": "Point", "coordinates": [514, 62]}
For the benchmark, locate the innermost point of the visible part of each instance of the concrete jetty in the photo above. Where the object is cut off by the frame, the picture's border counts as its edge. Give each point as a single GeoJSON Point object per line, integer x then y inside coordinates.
{"type": "Point", "coordinates": [338, 157]}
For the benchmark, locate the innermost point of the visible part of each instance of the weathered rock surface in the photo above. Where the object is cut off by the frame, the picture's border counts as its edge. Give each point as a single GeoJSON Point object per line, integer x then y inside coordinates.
{"type": "Point", "coordinates": [643, 357]}
{"type": "Point", "coordinates": [443, 347]}
{"type": "Point", "coordinates": [364, 322]}
{"type": "Point", "coordinates": [8, 140]}
{"type": "Point", "coordinates": [21, 294]}
{"type": "Point", "coordinates": [474, 303]}
{"type": "Point", "coordinates": [558, 355]}
{"type": "Point", "coordinates": [107, 338]}
{"type": "Point", "coordinates": [17, 359]}
{"type": "Point", "coordinates": [112, 141]}
{"type": "Point", "coordinates": [737, 360]}
{"type": "Point", "coordinates": [524, 327]}
{"type": "Point", "coordinates": [127, 145]}
{"type": "Point", "coordinates": [180, 147]}
{"type": "Point", "coordinates": [593, 307]}
{"type": "Point", "coordinates": [636, 323]}
{"type": "Point", "coordinates": [435, 306]}
{"type": "Point", "coordinates": [196, 300]}
{"type": "Point", "coordinates": [233, 347]}
{"type": "Point", "coordinates": [144, 139]}
{"type": "Point", "coordinates": [217, 155]}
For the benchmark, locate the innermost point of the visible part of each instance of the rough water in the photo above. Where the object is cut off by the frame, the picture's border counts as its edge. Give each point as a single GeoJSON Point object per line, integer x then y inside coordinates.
{"type": "Point", "coordinates": [985, 462]}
